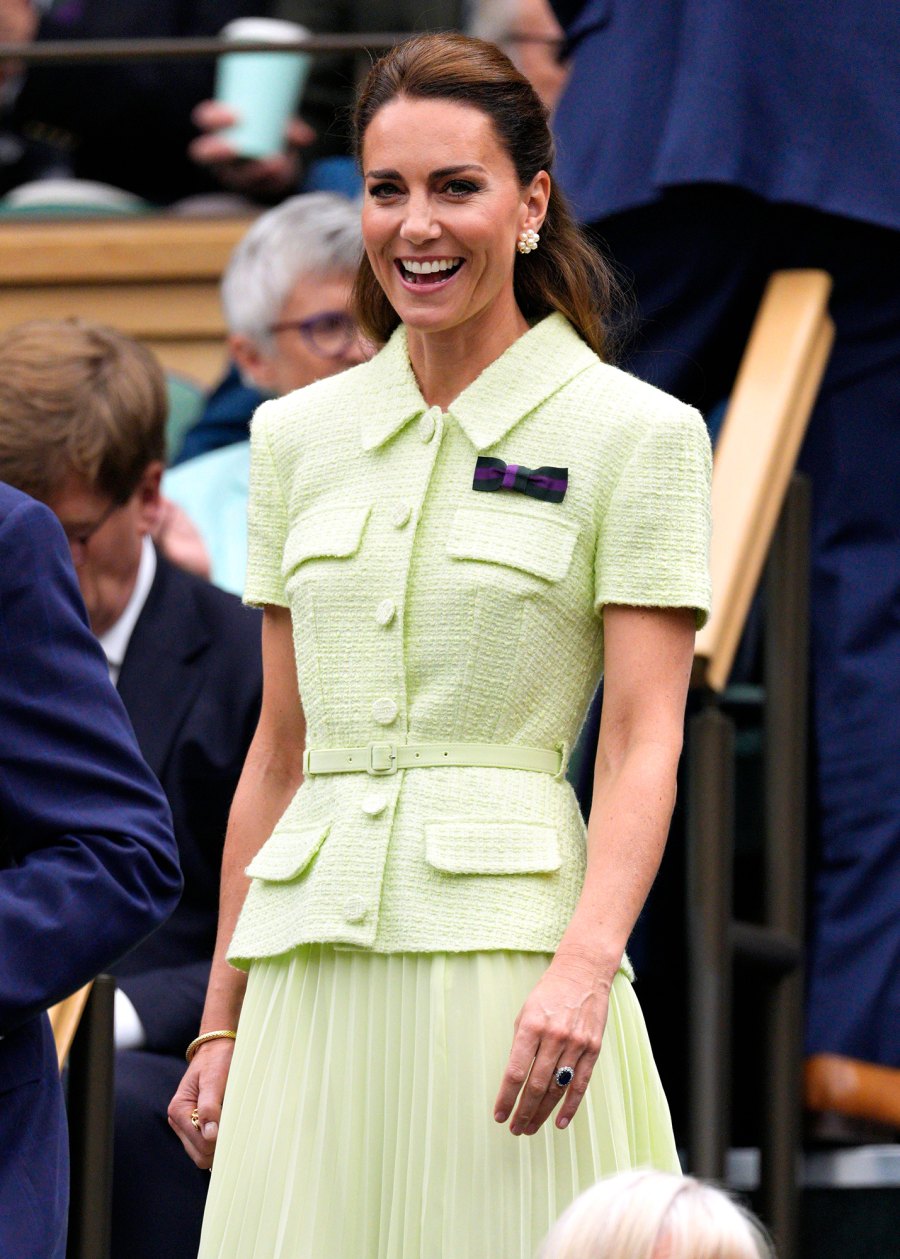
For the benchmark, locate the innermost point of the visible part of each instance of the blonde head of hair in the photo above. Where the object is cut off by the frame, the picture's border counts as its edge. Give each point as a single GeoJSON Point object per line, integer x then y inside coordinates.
{"type": "Point", "coordinates": [78, 397]}
{"type": "Point", "coordinates": [655, 1215]}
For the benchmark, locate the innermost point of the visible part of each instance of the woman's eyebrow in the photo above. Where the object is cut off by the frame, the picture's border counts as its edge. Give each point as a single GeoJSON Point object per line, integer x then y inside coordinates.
{"type": "Point", "coordinates": [444, 171]}
{"type": "Point", "coordinates": [441, 173]}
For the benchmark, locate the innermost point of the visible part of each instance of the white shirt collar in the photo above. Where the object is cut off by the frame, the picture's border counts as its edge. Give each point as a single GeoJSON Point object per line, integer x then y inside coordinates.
{"type": "Point", "coordinates": [116, 639]}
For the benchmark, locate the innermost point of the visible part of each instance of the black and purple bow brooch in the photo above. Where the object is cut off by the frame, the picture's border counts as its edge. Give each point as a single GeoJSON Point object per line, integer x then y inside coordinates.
{"type": "Point", "coordinates": [549, 484]}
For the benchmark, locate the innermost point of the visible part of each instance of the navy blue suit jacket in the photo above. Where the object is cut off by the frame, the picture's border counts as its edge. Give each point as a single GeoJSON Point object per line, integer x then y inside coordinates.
{"type": "Point", "coordinates": [191, 682]}
{"type": "Point", "coordinates": [795, 102]}
{"type": "Point", "coordinates": [88, 864]}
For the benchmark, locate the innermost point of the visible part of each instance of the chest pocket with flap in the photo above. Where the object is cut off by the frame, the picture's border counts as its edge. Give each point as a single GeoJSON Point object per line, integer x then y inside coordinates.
{"type": "Point", "coordinates": [324, 533]}
{"type": "Point", "coordinates": [517, 540]}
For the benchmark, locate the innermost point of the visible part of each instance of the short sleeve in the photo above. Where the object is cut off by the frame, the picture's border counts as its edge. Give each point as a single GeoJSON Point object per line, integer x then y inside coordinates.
{"type": "Point", "coordinates": [267, 520]}
{"type": "Point", "coordinates": [653, 543]}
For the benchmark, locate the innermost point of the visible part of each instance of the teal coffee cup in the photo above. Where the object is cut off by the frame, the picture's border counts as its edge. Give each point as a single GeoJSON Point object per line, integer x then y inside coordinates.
{"type": "Point", "coordinates": [263, 88]}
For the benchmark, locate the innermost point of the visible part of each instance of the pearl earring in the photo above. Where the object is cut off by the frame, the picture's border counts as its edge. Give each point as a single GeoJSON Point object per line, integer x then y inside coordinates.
{"type": "Point", "coordinates": [528, 241]}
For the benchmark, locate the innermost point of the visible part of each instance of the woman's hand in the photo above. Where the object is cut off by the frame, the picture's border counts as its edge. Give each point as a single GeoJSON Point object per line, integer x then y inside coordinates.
{"type": "Point", "coordinates": [202, 1089]}
{"type": "Point", "coordinates": [268, 177]}
{"type": "Point", "coordinates": [560, 1025]}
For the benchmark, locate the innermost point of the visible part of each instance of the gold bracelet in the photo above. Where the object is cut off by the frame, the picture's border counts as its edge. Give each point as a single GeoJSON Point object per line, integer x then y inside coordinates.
{"type": "Point", "coordinates": [201, 1040]}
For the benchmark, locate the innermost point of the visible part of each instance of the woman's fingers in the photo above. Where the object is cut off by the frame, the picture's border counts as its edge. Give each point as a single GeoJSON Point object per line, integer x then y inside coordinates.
{"type": "Point", "coordinates": [196, 1109]}
{"type": "Point", "coordinates": [213, 115]}
{"type": "Point", "coordinates": [181, 1108]}
{"type": "Point", "coordinates": [539, 1083]}
{"type": "Point", "coordinates": [525, 1045]}
{"type": "Point", "coordinates": [575, 1092]}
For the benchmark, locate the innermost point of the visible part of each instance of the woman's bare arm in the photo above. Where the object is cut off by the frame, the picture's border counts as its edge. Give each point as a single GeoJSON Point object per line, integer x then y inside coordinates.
{"type": "Point", "coordinates": [648, 654]}
{"type": "Point", "coordinates": [270, 777]}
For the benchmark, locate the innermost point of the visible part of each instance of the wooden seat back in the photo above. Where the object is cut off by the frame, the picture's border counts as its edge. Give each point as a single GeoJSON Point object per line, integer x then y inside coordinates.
{"type": "Point", "coordinates": [64, 1019]}
{"type": "Point", "coordinates": [757, 449]}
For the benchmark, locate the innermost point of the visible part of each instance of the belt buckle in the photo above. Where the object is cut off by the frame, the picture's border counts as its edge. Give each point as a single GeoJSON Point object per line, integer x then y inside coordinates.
{"type": "Point", "coordinates": [382, 759]}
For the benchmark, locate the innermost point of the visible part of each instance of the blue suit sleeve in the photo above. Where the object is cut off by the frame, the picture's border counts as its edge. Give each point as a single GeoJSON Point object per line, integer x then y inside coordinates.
{"type": "Point", "coordinates": [90, 867]}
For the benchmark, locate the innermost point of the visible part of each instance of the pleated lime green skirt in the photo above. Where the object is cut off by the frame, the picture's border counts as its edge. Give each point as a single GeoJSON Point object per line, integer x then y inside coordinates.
{"type": "Point", "coordinates": [358, 1116]}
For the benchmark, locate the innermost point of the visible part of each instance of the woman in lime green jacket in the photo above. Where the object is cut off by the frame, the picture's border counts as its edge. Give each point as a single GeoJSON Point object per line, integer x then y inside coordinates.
{"type": "Point", "coordinates": [451, 543]}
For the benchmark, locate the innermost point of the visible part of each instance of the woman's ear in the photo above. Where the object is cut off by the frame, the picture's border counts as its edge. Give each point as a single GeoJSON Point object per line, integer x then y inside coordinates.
{"type": "Point", "coordinates": [537, 198]}
{"type": "Point", "coordinates": [253, 363]}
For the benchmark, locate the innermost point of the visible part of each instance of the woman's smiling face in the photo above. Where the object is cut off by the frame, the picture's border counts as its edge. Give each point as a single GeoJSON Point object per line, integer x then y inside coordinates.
{"type": "Point", "coordinates": [443, 210]}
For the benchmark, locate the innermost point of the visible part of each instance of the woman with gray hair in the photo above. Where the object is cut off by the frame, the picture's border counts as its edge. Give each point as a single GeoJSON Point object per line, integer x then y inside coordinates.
{"type": "Point", "coordinates": [285, 293]}
{"type": "Point", "coordinates": [655, 1215]}
{"type": "Point", "coordinates": [286, 298]}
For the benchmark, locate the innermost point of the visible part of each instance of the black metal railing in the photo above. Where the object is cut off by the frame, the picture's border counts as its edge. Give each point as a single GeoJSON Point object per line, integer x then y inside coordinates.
{"type": "Point", "coordinates": [773, 949]}
{"type": "Point", "coordinates": [65, 51]}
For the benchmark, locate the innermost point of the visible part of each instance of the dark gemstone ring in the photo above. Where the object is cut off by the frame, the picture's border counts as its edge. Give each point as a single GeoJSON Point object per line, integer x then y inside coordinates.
{"type": "Point", "coordinates": [563, 1076]}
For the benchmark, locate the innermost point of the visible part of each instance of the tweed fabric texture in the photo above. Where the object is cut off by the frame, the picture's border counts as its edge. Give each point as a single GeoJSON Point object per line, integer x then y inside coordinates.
{"type": "Point", "coordinates": [424, 612]}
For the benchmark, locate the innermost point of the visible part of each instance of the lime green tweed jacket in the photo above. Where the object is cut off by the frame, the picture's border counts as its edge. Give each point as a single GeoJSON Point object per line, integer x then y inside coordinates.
{"type": "Point", "coordinates": [424, 612]}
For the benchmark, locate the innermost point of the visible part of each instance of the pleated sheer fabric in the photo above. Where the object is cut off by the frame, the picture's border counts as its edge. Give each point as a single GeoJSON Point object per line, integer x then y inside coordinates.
{"type": "Point", "coordinates": [358, 1116]}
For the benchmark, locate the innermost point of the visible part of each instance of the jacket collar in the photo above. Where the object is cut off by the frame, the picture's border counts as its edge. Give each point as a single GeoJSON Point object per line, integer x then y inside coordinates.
{"type": "Point", "coordinates": [534, 367]}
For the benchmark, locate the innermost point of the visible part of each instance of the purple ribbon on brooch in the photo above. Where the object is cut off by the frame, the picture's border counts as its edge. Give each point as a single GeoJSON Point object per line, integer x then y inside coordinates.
{"type": "Point", "coordinates": [550, 484]}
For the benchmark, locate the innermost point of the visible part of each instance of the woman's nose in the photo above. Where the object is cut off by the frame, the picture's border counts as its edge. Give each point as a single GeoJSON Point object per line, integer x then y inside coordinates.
{"type": "Point", "coordinates": [419, 225]}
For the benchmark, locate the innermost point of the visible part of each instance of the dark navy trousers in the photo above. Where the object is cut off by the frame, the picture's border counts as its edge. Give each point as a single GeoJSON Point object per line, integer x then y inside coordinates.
{"type": "Point", "coordinates": [698, 260]}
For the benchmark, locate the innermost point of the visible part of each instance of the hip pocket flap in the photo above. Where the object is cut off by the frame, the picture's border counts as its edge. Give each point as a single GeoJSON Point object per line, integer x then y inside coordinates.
{"type": "Point", "coordinates": [287, 854]}
{"type": "Point", "coordinates": [492, 847]}
{"type": "Point", "coordinates": [329, 533]}
{"type": "Point", "coordinates": [516, 539]}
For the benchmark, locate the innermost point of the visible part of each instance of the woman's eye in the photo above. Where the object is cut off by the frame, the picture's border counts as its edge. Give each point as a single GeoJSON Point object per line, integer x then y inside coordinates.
{"type": "Point", "coordinates": [381, 191]}
{"type": "Point", "coordinates": [460, 187]}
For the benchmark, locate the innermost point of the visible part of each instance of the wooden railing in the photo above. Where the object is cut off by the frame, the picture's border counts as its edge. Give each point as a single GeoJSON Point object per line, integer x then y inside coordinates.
{"type": "Point", "coordinates": [156, 279]}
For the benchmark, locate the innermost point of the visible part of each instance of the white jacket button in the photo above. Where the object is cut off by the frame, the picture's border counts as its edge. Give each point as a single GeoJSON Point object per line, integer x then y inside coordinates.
{"type": "Point", "coordinates": [385, 612]}
{"type": "Point", "coordinates": [355, 909]}
{"type": "Point", "coordinates": [374, 803]}
{"type": "Point", "coordinates": [384, 711]}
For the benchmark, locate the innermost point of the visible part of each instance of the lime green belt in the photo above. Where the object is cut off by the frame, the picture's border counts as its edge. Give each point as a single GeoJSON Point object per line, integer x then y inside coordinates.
{"type": "Point", "coordinates": [381, 759]}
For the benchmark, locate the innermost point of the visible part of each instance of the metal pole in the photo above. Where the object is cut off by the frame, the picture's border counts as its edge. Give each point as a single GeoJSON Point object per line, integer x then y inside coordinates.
{"type": "Point", "coordinates": [90, 1110]}
{"type": "Point", "coordinates": [710, 846]}
{"type": "Point", "coordinates": [786, 657]}
{"type": "Point", "coordinates": [62, 51]}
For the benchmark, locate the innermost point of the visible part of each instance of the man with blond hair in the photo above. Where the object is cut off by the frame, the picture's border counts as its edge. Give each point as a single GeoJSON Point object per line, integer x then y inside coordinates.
{"type": "Point", "coordinates": [82, 428]}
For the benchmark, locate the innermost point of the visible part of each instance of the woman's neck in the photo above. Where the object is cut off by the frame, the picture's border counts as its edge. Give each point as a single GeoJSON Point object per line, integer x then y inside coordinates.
{"type": "Point", "coordinates": [446, 362]}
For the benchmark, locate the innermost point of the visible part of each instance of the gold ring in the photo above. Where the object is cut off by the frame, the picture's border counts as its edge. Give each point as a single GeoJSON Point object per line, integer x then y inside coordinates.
{"type": "Point", "coordinates": [195, 1119]}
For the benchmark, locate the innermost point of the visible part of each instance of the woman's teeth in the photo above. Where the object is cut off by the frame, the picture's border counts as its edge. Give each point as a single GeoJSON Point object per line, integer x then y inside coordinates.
{"type": "Point", "coordinates": [413, 267]}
